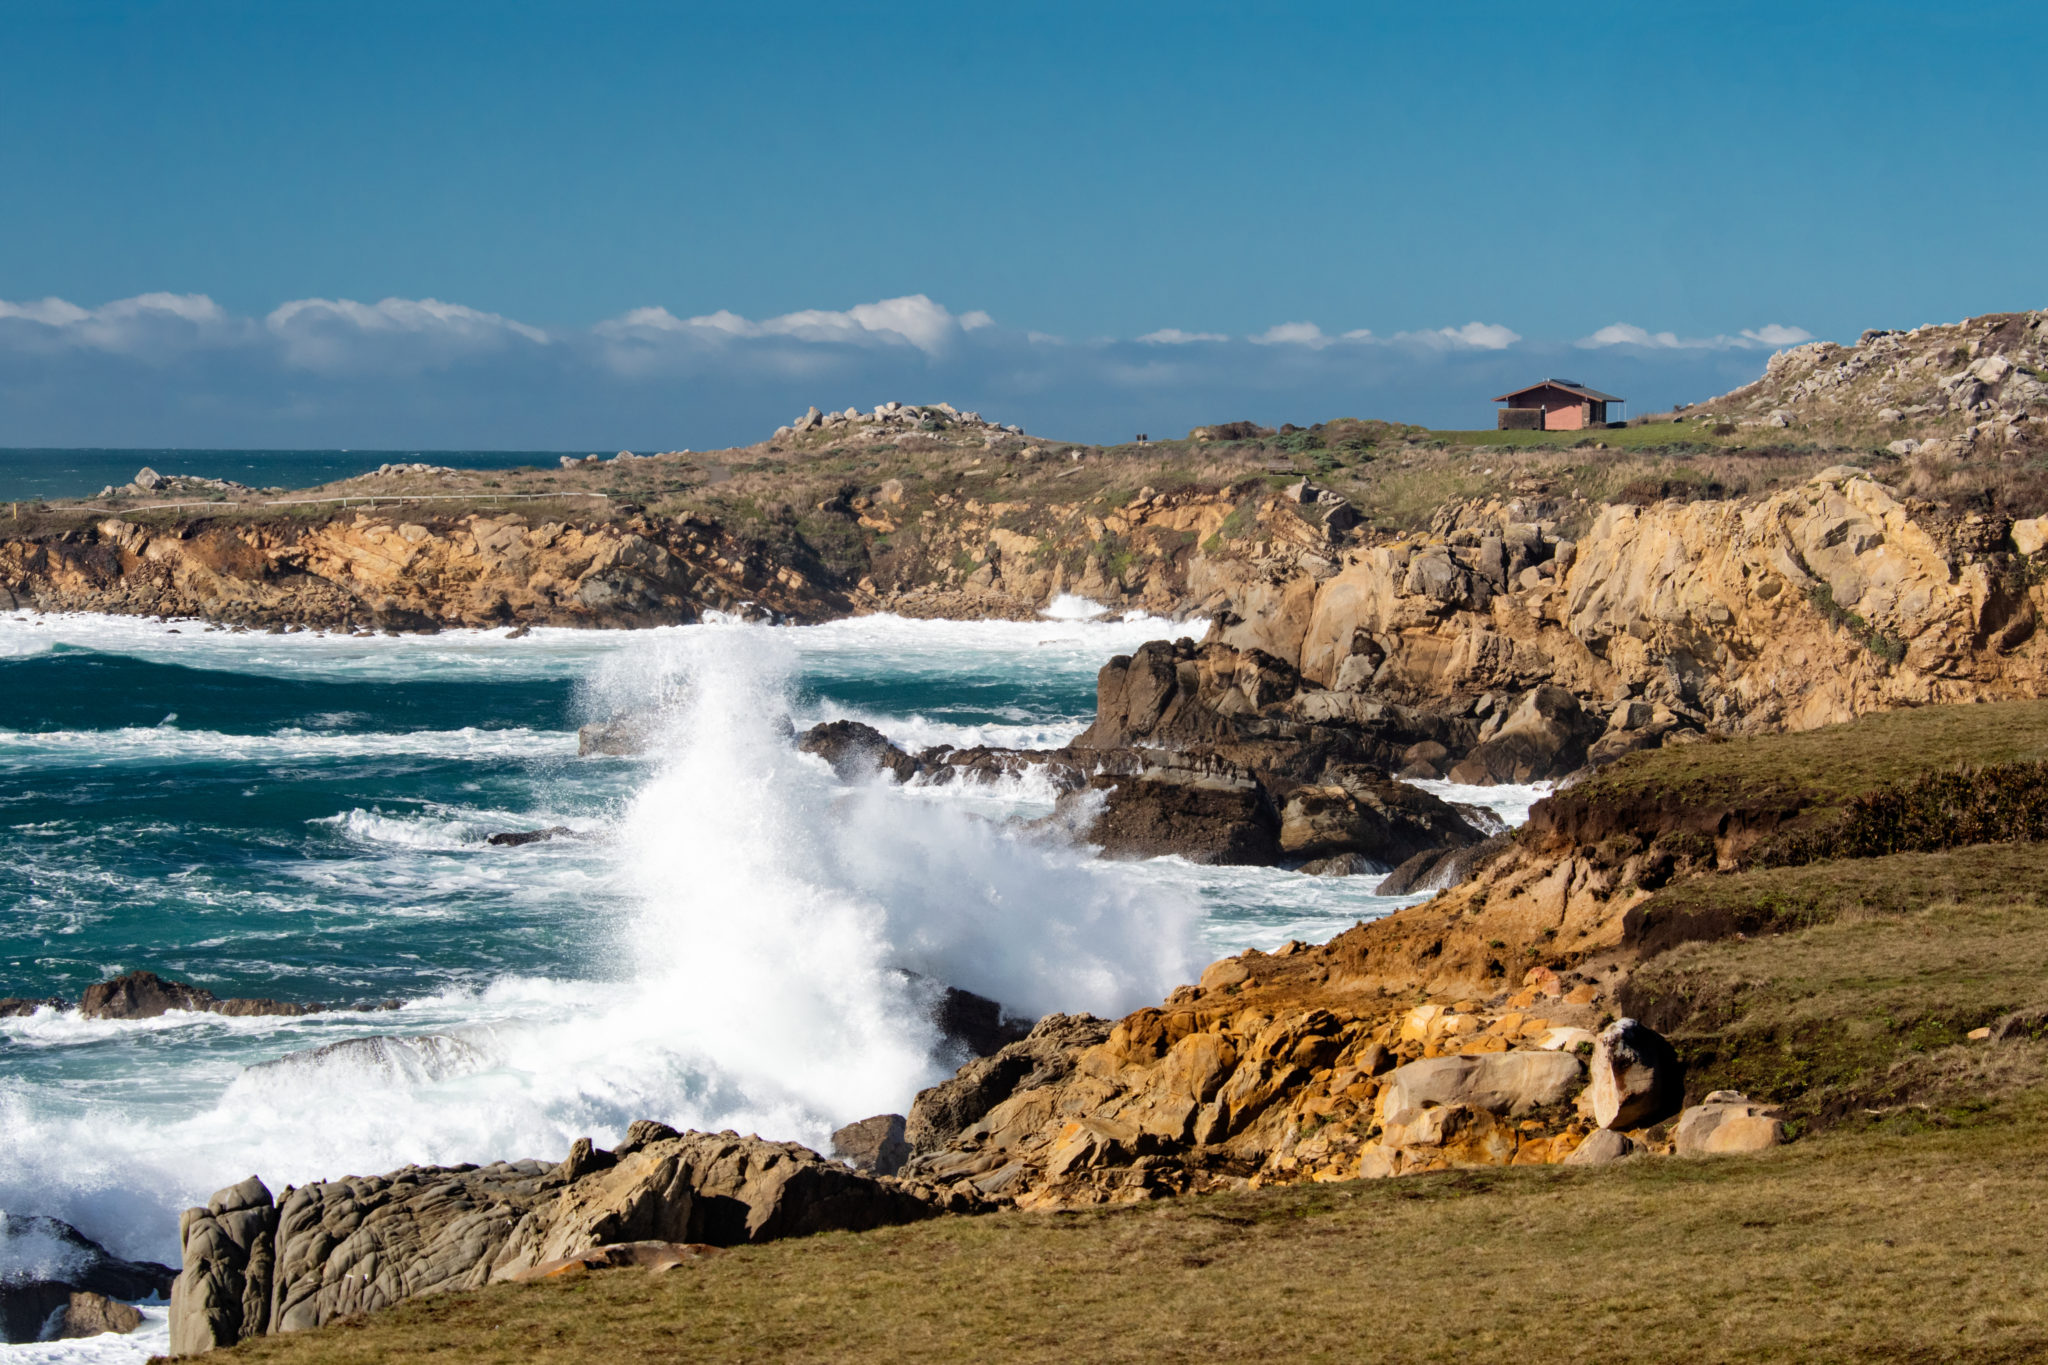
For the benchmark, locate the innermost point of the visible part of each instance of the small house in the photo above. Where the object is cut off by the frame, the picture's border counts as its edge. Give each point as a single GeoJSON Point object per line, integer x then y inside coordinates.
{"type": "Point", "coordinates": [1554, 405]}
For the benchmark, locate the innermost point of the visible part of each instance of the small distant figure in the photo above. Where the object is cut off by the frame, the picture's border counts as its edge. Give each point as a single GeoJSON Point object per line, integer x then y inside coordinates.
{"type": "Point", "coordinates": [1143, 439]}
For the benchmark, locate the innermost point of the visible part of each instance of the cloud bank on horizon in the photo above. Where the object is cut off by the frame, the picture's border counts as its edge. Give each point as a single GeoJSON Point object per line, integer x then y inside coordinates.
{"type": "Point", "coordinates": [165, 369]}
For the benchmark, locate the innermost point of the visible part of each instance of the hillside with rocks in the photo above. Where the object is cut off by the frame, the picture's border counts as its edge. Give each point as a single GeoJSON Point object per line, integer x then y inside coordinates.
{"type": "Point", "coordinates": [1974, 388]}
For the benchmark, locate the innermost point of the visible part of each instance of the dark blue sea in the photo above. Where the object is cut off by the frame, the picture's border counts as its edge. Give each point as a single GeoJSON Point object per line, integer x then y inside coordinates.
{"type": "Point", "coordinates": [52, 475]}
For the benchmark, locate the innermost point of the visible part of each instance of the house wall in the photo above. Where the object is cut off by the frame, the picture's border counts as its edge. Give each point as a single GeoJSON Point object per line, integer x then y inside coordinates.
{"type": "Point", "coordinates": [1563, 412]}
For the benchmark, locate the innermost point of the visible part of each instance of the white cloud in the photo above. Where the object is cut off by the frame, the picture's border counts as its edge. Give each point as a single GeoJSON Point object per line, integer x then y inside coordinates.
{"type": "Point", "coordinates": [1293, 334]}
{"type": "Point", "coordinates": [343, 335]}
{"type": "Point", "coordinates": [150, 326]}
{"type": "Point", "coordinates": [1627, 334]}
{"type": "Point", "coordinates": [1770, 336]}
{"type": "Point", "coordinates": [913, 320]}
{"type": "Point", "coordinates": [1477, 336]}
{"type": "Point", "coordinates": [1776, 334]}
{"type": "Point", "coordinates": [1174, 336]}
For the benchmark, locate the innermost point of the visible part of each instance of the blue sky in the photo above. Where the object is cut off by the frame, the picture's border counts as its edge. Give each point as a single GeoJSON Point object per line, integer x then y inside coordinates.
{"type": "Point", "coordinates": [599, 224]}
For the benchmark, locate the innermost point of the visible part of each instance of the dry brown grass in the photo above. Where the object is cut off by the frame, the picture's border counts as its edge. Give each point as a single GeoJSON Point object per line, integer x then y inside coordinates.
{"type": "Point", "coordinates": [1845, 1248]}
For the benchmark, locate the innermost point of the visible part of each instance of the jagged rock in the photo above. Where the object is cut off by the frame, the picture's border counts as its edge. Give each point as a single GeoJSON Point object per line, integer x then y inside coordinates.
{"type": "Point", "coordinates": [1637, 1077]}
{"type": "Point", "coordinates": [341, 1247]}
{"type": "Point", "coordinates": [857, 751]}
{"type": "Point", "coordinates": [1439, 869]}
{"type": "Point", "coordinates": [1216, 821]}
{"type": "Point", "coordinates": [876, 1146]}
{"type": "Point", "coordinates": [940, 1113]}
{"type": "Point", "coordinates": [73, 1268]}
{"type": "Point", "coordinates": [1727, 1121]}
{"type": "Point", "coordinates": [145, 995]}
{"type": "Point", "coordinates": [19, 1007]}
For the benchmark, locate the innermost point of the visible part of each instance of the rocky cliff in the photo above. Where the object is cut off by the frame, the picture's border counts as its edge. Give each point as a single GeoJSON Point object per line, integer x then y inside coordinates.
{"type": "Point", "coordinates": [1813, 605]}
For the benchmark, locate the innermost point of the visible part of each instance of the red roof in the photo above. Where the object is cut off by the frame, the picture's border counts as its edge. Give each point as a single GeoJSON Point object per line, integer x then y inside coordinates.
{"type": "Point", "coordinates": [1568, 385]}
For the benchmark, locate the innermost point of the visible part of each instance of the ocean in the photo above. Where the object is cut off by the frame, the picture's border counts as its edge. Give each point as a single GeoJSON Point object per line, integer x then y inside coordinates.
{"type": "Point", "coordinates": [56, 475]}
{"type": "Point", "coordinates": [721, 943]}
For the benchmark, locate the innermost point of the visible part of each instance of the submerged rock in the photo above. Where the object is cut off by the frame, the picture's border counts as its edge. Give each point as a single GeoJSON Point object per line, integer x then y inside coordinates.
{"type": "Point", "coordinates": [518, 838]}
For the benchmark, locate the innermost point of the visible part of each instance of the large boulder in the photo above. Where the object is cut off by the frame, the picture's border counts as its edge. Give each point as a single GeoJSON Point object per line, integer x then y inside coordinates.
{"type": "Point", "coordinates": [223, 1291]}
{"type": "Point", "coordinates": [1727, 1122]}
{"type": "Point", "coordinates": [340, 1247]}
{"type": "Point", "coordinates": [1361, 811]}
{"type": "Point", "coordinates": [1210, 820]}
{"type": "Point", "coordinates": [1503, 1083]}
{"type": "Point", "coordinates": [714, 1188]}
{"type": "Point", "coordinates": [857, 751]}
{"type": "Point", "coordinates": [874, 1145]}
{"type": "Point", "coordinates": [1046, 1056]}
{"type": "Point", "coordinates": [1637, 1077]}
{"type": "Point", "coordinates": [1545, 736]}
{"type": "Point", "coordinates": [47, 1265]}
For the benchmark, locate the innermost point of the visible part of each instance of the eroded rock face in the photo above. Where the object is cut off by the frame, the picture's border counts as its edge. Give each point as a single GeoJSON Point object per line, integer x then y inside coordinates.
{"type": "Point", "coordinates": [1727, 616]}
{"type": "Point", "coordinates": [340, 1247]}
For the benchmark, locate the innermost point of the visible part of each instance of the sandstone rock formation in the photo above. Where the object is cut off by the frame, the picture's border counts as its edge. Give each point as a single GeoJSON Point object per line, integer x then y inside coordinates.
{"type": "Point", "coordinates": [254, 1265]}
{"type": "Point", "coordinates": [1727, 1122]}
{"type": "Point", "coordinates": [1805, 608]}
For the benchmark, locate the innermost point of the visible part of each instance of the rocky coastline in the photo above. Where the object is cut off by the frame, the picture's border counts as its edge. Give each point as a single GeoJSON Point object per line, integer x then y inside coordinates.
{"type": "Point", "coordinates": [1527, 1014]}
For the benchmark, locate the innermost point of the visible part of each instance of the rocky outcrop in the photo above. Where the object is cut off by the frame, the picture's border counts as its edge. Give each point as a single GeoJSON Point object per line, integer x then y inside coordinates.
{"type": "Point", "coordinates": [145, 995]}
{"type": "Point", "coordinates": [1946, 391]}
{"type": "Point", "coordinates": [368, 570]}
{"type": "Point", "coordinates": [51, 1268]}
{"type": "Point", "coordinates": [253, 1265]}
{"type": "Point", "coordinates": [857, 751]}
{"type": "Point", "coordinates": [1285, 1066]}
